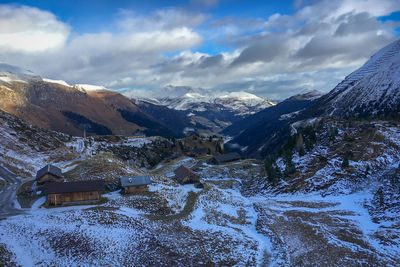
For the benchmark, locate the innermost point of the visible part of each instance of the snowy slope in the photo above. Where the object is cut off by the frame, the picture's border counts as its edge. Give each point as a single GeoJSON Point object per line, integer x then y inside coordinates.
{"type": "Point", "coordinates": [371, 90]}
{"type": "Point", "coordinates": [197, 99]}
{"type": "Point", "coordinates": [9, 74]}
{"type": "Point", "coordinates": [90, 87]}
{"type": "Point", "coordinates": [61, 82]}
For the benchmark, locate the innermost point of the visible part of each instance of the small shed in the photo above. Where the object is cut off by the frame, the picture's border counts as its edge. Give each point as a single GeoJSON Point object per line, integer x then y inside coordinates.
{"type": "Point", "coordinates": [73, 192]}
{"type": "Point", "coordinates": [135, 184]}
{"type": "Point", "coordinates": [49, 174]}
{"type": "Point", "coordinates": [185, 175]}
{"type": "Point", "coordinates": [224, 158]}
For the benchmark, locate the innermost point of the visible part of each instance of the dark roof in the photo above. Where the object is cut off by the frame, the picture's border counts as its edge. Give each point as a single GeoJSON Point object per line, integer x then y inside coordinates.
{"type": "Point", "coordinates": [135, 180]}
{"type": "Point", "coordinates": [183, 172]}
{"type": "Point", "coordinates": [70, 187]}
{"type": "Point", "coordinates": [51, 169]}
{"type": "Point", "coordinates": [199, 150]}
{"type": "Point", "coordinates": [227, 157]}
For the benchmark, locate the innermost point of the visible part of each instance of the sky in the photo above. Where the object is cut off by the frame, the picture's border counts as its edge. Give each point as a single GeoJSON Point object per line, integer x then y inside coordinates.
{"type": "Point", "coordinates": [273, 49]}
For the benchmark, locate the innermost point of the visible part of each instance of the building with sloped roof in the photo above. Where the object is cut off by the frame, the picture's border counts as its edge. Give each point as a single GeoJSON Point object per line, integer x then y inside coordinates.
{"type": "Point", "coordinates": [224, 158]}
{"type": "Point", "coordinates": [73, 192]}
{"type": "Point", "coordinates": [185, 175]}
{"type": "Point", "coordinates": [49, 174]}
{"type": "Point", "coordinates": [135, 184]}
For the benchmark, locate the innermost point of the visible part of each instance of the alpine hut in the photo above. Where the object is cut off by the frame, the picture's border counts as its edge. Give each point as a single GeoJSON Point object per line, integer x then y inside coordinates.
{"type": "Point", "coordinates": [73, 192]}
{"type": "Point", "coordinates": [135, 184]}
{"type": "Point", "coordinates": [49, 174]}
{"type": "Point", "coordinates": [186, 176]}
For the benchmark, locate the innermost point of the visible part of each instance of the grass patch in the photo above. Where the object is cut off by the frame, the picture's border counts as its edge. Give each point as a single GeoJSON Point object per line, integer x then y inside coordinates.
{"type": "Point", "coordinates": [6, 257]}
{"type": "Point", "coordinates": [102, 166]}
{"type": "Point", "coordinates": [25, 196]}
{"type": "Point", "coordinates": [148, 202]}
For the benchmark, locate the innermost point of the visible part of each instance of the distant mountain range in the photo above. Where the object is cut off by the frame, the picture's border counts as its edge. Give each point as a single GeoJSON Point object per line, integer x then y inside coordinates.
{"type": "Point", "coordinates": [168, 112]}
{"type": "Point", "coordinates": [212, 109]}
{"type": "Point", "coordinates": [58, 106]}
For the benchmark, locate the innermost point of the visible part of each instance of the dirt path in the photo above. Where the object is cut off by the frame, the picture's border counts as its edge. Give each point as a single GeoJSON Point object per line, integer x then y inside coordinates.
{"type": "Point", "coordinates": [189, 206]}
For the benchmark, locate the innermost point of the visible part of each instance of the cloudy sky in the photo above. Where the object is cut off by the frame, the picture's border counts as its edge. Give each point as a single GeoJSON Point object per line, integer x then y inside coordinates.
{"type": "Point", "coordinates": [270, 48]}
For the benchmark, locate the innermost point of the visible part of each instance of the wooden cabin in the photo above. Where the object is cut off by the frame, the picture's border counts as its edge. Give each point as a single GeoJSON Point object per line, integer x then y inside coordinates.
{"type": "Point", "coordinates": [186, 176]}
{"type": "Point", "coordinates": [73, 192]}
{"type": "Point", "coordinates": [224, 158]}
{"type": "Point", "coordinates": [135, 184]}
{"type": "Point", "coordinates": [49, 174]}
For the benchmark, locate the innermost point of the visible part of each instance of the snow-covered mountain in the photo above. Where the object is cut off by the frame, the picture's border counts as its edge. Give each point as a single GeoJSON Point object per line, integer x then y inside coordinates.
{"type": "Point", "coordinates": [56, 105]}
{"type": "Point", "coordinates": [373, 89]}
{"type": "Point", "coordinates": [197, 99]}
{"type": "Point", "coordinates": [9, 73]}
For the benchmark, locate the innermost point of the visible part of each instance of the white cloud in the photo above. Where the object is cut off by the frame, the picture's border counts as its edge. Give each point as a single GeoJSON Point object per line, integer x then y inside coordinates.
{"type": "Point", "coordinates": [29, 29]}
{"type": "Point", "coordinates": [164, 19]}
{"type": "Point", "coordinates": [311, 49]}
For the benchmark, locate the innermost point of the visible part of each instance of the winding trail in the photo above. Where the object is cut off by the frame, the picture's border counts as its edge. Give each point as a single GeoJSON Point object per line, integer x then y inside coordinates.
{"type": "Point", "coordinates": [8, 194]}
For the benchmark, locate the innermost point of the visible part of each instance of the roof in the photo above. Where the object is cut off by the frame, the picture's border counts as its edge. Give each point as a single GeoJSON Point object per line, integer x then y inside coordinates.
{"type": "Point", "coordinates": [227, 157]}
{"type": "Point", "coordinates": [71, 187]}
{"type": "Point", "coordinates": [183, 172]}
{"type": "Point", "coordinates": [49, 169]}
{"type": "Point", "coordinates": [135, 180]}
{"type": "Point", "coordinates": [200, 150]}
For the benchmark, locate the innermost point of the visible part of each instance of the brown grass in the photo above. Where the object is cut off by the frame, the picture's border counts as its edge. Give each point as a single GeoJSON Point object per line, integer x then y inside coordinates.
{"type": "Point", "coordinates": [26, 198]}
{"type": "Point", "coordinates": [6, 257]}
{"type": "Point", "coordinates": [102, 166]}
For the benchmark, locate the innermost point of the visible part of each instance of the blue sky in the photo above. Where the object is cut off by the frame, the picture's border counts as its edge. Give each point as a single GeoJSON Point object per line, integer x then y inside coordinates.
{"type": "Point", "coordinates": [271, 48]}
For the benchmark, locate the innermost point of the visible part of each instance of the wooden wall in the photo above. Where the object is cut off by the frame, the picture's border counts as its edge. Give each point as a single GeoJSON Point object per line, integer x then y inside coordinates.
{"type": "Point", "coordinates": [135, 189]}
{"type": "Point", "coordinates": [49, 178]}
{"type": "Point", "coordinates": [58, 199]}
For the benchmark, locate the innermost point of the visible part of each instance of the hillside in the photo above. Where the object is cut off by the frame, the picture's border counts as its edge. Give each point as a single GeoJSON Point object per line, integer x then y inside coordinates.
{"type": "Point", "coordinates": [255, 135]}
{"type": "Point", "coordinates": [372, 90]}
{"type": "Point", "coordinates": [334, 211]}
{"type": "Point", "coordinates": [57, 106]}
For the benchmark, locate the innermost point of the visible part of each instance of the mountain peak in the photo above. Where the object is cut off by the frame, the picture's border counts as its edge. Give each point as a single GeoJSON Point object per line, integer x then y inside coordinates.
{"type": "Point", "coordinates": [371, 90]}
{"type": "Point", "coordinates": [89, 87]}
{"type": "Point", "coordinates": [187, 98]}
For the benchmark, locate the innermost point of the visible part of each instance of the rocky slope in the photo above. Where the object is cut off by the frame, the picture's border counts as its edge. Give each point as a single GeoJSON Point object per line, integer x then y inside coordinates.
{"type": "Point", "coordinates": [372, 90]}
{"type": "Point", "coordinates": [56, 105]}
{"type": "Point", "coordinates": [251, 134]}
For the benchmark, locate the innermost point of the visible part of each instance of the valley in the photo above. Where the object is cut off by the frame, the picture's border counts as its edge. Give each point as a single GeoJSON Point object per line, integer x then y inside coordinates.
{"type": "Point", "coordinates": [321, 213]}
{"type": "Point", "coordinates": [223, 221]}
{"type": "Point", "coordinates": [185, 176]}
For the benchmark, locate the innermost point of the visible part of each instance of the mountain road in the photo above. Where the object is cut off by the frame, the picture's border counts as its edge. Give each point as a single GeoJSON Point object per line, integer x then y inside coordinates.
{"type": "Point", "coordinates": [8, 199]}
